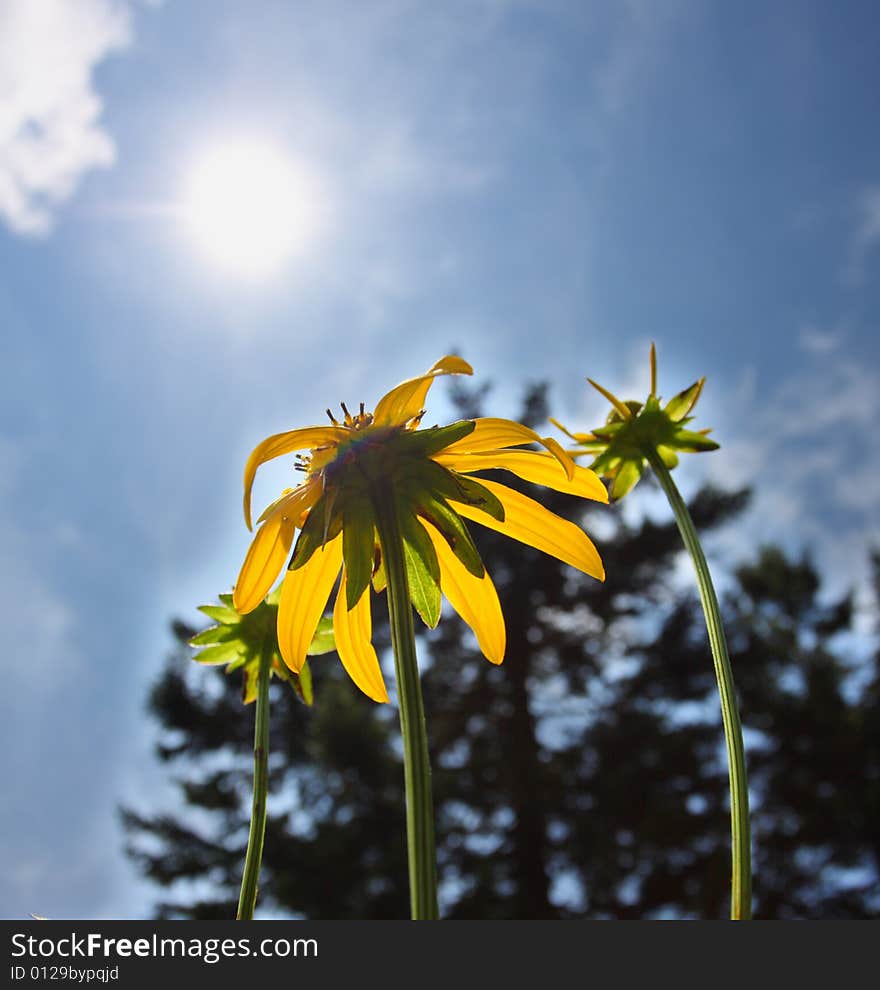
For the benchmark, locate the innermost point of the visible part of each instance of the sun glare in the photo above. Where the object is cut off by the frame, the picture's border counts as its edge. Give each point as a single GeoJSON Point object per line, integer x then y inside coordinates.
{"type": "Point", "coordinates": [250, 209]}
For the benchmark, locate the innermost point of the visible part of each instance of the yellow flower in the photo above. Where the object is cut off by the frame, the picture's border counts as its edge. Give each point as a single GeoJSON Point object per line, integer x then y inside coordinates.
{"type": "Point", "coordinates": [425, 472]}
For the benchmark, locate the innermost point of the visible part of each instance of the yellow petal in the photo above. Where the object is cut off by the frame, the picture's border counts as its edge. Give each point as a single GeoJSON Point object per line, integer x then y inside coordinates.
{"type": "Point", "coordinates": [530, 465]}
{"type": "Point", "coordinates": [294, 501]}
{"type": "Point", "coordinates": [490, 434]}
{"type": "Point", "coordinates": [621, 407]}
{"type": "Point", "coordinates": [561, 455]}
{"type": "Point", "coordinates": [530, 523]}
{"type": "Point", "coordinates": [272, 506]}
{"type": "Point", "coordinates": [475, 599]}
{"type": "Point", "coordinates": [353, 631]}
{"type": "Point", "coordinates": [408, 399]}
{"type": "Point", "coordinates": [285, 443]}
{"type": "Point", "coordinates": [577, 437]}
{"type": "Point", "coordinates": [304, 595]}
{"type": "Point", "coordinates": [265, 558]}
{"type": "Point", "coordinates": [270, 547]}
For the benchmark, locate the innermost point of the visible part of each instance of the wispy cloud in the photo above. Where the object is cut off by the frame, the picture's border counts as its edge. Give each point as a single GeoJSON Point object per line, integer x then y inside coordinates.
{"type": "Point", "coordinates": [811, 455]}
{"type": "Point", "coordinates": [50, 131]}
{"type": "Point", "coordinates": [866, 237]}
{"type": "Point", "coordinates": [39, 623]}
{"type": "Point", "coordinates": [815, 340]}
{"type": "Point", "coordinates": [638, 38]}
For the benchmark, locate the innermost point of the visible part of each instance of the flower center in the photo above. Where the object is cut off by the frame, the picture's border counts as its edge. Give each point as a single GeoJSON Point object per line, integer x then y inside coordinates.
{"type": "Point", "coordinates": [360, 421]}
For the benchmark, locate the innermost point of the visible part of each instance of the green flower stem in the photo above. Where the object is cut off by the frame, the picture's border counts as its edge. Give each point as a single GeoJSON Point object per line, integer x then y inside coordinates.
{"type": "Point", "coordinates": [741, 890]}
{"type": "Point", "coordinates": [250, 879]}
{"type": "Point", "coordinates": [416, 761]}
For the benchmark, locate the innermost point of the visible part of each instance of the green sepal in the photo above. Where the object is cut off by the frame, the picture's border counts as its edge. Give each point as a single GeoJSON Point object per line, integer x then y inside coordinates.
{"type": "Point", "coordinates": [433, 479]}
{"type": "Point", "coordinates": [693, 442]}
{"type": "Point", "coordinates": [302, 685]}
{"type": "Point", "coordinates": [220, 613]}
{"type": "Point", "coordinates": [605, 463]}
{"type": "Point", "coordinates": [417, 477]}
{"type": "Point", "coordinates": [621, 446]}
{"type": "Point", "coordinates": [240, 641]}
{"type": "Point", "coordinates": [323, 641]}
{"type": "Point", "coordinates": [478, 496]}
{"type": "Point", "coordinates": [215, 634]}
{"type": "Point", "coordinates": [321, 527]}
{"type": "Point", "coordinates": [422, 568]}
{"type": "Point", "coordinates": [426, 443]}
{"type": "Point", "coordinates": [379, 579]}
{"type": "Point", "coordinates": [220, 652]}
{"type": "Point", "coordinates": [680, 405]}
{"type": "Point", "coordinates": [626, 479]}
{"type": "Point", "coordinates": [607, 431]}
{"type": "Point", "coordinates": [452, 528]}
{"type": "Point", "coordinates": [250, 683]}
{"type": "Point", "coordinates": [668, 456]}
{"type": "Point", "coordinates": [358, 544]}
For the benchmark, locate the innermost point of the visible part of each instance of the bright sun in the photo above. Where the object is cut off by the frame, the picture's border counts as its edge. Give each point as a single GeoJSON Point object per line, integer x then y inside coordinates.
{"type": "Point", "coordinates": [250, 209]}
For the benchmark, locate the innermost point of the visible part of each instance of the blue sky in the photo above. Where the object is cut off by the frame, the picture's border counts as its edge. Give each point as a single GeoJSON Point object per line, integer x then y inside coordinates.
{"type": "Point", "coordinates": [545, 185]}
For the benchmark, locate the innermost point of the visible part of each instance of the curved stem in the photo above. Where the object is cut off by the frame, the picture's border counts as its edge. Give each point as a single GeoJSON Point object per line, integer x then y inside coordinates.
{"type": "Point", "coordinates": [416, 761]}
{"type": "Point", "coordinates": [741, 890]}
{"type": "Point", "coordinates": [250, 878]}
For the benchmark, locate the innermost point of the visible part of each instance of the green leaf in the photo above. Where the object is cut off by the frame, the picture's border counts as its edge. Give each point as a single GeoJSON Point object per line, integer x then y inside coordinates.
{"type": "Point", "coordinates": [323, 641]}
{"type": "Point", "coordinates": [454, 531]}
{"type": "Point", "coordinates": [680, 405]}
{"type": "Point", "coordinates": [227, 600]}
{"type": "Point", "coordinates": [220, 652]}
{"type": "Point", "coordinates": [422, 569]}
{"type": "Point", "coordinates": [358, 546]}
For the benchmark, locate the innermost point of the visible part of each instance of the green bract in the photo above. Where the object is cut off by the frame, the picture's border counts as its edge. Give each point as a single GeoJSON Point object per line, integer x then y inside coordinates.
{"type": "Point", "coordinates": [633, 430]}
{"type": "Point", "coordinates": [400, 460]}
{"type": "Point", "coordinates": [238, 641]}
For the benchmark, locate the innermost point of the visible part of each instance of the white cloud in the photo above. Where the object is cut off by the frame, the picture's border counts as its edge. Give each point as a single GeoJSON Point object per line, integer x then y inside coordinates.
{"type": "Point", "coordinates": [807, 449]}
{"type": "Point", "coordinates": [637, 41]}
{"type": "Point", "coordinates": [50, 133]}
{"type": "Point", "coordinates": [811, 455]}
{"type": "Point", "coordinates": [867, 233]}
{"type": "Point", "coordinates": [817, 341]}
